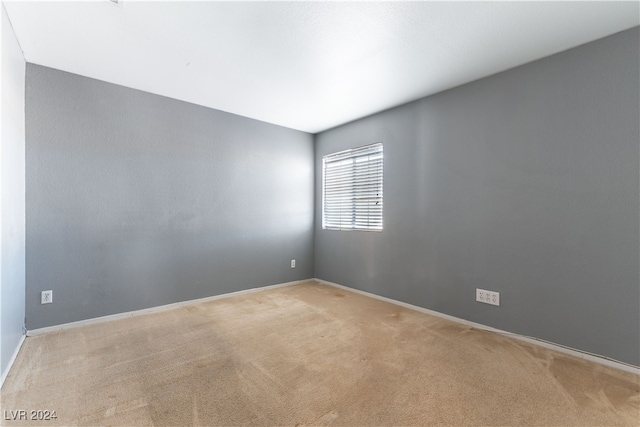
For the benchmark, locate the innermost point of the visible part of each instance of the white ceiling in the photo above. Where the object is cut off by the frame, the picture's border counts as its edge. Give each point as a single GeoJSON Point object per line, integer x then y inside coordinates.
{"type": "Point", "coordinates": [304, 65]}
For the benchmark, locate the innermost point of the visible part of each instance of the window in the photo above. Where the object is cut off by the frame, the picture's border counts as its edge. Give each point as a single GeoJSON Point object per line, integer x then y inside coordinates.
{"type": "Point", "coordinates": [352, 189]}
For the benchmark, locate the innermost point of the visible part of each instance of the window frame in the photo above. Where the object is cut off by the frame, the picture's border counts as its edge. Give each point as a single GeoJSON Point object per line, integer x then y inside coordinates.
{"type": "Point", "coordinates": [363, 217]}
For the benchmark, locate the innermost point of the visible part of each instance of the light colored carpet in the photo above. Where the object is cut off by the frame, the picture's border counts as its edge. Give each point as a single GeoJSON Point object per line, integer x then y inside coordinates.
{"type": "Point", "coordinates": [307, 354]}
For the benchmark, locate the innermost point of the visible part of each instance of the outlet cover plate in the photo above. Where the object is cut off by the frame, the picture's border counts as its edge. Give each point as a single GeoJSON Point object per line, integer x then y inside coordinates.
{"type": "Point", "coordinates": [488, 297]}
{"type": "Point", "coordinates": [46, 297]}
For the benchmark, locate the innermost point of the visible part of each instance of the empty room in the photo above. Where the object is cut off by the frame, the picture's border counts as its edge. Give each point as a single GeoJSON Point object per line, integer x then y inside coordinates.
{"type": "Point", "coordinates": [320, 213]}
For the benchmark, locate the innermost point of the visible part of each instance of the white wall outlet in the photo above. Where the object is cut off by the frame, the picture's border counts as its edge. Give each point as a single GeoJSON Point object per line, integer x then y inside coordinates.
{"type": "Point", "coordinates": [46, 297]}
{"type": "Point", "coordinates": [488, 297]}
{"type": "Point", "coordinates": [293, 263]}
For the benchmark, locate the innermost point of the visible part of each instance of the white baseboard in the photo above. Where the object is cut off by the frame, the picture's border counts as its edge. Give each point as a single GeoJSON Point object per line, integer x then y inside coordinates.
{"type": "Point", "coordinates": [536, 341]}
{"type": "Point", "coordinates": [13, 359]}
{"type": "Point", "coordinates": [531, 340]}
{"type": "Point", "coordinates": [56, 328]}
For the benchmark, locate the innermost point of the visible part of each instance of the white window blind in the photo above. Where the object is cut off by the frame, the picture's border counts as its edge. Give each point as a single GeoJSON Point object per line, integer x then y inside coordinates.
{"type": "Point", "coordinates": [352, 189]}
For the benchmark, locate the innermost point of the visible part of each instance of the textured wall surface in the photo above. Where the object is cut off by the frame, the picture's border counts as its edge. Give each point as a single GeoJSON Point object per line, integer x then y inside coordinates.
{"type": "Point", "coordinates": [135, 200]}
{"type": "Point", "coordinates": [526, 183]}
{"type": "Point", "coordinates": [12, 208]}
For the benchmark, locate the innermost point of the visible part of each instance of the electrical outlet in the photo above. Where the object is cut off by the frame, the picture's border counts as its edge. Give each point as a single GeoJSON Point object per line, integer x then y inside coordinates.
{"type": "Point", "coordinates": [46, 297]}
{"type": "Point", "coordinates": [293, 263]}
{"type": "Point", "coordinates": [488, 297]}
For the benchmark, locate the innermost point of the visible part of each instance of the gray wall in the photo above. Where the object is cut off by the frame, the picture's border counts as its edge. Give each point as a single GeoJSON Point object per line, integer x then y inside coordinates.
{"type": "Point", "coordinates": [135, 200]}
{"type": "Point", "coordinates": [526, 183]}
{"type": "Point", "coordinates": [12, 215]}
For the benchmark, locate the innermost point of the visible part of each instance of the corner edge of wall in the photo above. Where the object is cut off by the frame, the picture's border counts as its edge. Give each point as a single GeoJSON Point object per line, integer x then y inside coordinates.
{"type": "Point", "coordinates": [12, 360]}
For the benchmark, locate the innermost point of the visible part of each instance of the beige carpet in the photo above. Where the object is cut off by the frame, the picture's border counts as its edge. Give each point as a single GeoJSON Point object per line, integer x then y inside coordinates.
{"type": "Point", "coordinates": [307, 354]}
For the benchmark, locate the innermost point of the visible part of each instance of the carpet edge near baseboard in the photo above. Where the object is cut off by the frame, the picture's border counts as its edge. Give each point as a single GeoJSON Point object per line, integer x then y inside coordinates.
{"type": "Point", "coordinates": [601, 360]}
{"type": "Point", "coordinates": [159, 308]}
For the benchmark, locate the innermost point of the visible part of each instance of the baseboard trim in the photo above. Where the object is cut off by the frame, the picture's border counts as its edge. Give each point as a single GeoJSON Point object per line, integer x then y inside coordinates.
{"type": "Point", "coordinates": [57, 328]}
{"type": "Point", "coordinates": [602, 360]}
{"type": "Point", "coordinates": [13, 359]}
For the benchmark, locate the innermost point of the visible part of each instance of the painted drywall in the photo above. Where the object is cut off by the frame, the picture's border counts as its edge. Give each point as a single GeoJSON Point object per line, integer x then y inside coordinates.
{"type": "Point", "coordinates": [525, 183]}
{"type": "Point", "coordinates": [135, 200]}
{"type": "Point", "coordinates": [12, 202]}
